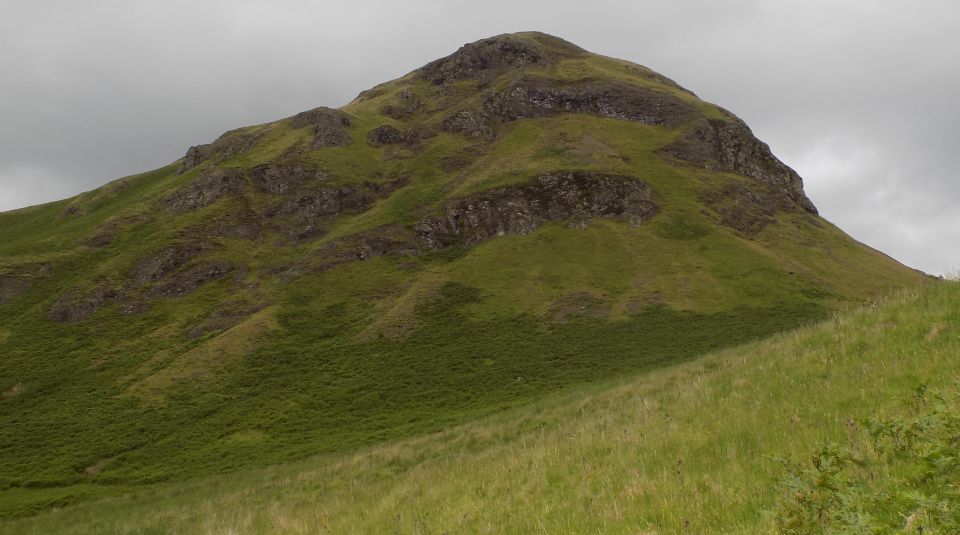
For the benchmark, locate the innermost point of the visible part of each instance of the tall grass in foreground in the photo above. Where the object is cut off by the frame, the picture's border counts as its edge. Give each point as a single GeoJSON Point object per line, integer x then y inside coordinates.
{"type": "Point", "coordinates": [690, 448]}
{"type": "Point", "coordinates": [893, 475]}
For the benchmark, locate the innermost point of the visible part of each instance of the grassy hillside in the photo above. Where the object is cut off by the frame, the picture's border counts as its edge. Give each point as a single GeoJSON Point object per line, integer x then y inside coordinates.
{"type": "Point", "coordinates": [520, 218]}
{"type": "Point", "coordinates": [693, 447]}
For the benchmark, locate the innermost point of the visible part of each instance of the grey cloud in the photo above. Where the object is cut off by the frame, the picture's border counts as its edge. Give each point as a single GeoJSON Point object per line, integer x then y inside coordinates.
{"type": "Point", "coordinates": [859, 96]}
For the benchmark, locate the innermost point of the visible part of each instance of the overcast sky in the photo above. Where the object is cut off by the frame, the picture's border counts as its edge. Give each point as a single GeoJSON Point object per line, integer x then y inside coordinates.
{"type": "Point", "coordinates": [859, 96]}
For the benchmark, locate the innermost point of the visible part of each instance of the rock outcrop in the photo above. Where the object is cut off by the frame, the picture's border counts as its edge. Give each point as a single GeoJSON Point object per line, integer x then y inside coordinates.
{"type": "Point", "coordinates": [207, 189]}
{"type": "Point", "coordinates": [195, 156]}
{"type": "Point", "coordinates": [75, 306]}
{"type": "Point", "coordinates": [242, 224]}
{"type": "Point", "coordinates": [18, 280]}
{"type": "Point", "coordinates": [188, 280]}
{"type": "Point", "coordinates": [744, 210]}
{"type": "Point", "coordinates": [491, 54]}
{"type": "Point", "coordinates": [488, 57]}
{"type": "Point", "coordinates": [406, 105]}
{"type": "Point", "coordinates": [365, 246]}
{"type": "Point", "coordinates": [391, 135]}
{"type": "Point", "coordinates": [542, 97]}
{"type": "Point", "coordinates": [161, 264]}
{"type": "Point", "coordinates": [330, 127]}
{"type": "Point", "coordinates": [176, 271]}
{"type": "Point", "coordinates": [385, 135]}
{"type": "Point", "coordinates": [12, 287]}
{"type": "Point", "coordinates": [281, 179]}
{"type": "Point", "coordinates": [566, 195]}
{"type": "Point", "coordinates": [729, 145]}
{"type": "Point", "coordinates": [308, 208]}
{"type": "Point", "coordinates": [223, 148]}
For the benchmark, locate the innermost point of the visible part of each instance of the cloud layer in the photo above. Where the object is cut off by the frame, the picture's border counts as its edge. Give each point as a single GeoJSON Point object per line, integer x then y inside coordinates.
{"type": "Point", "coordinates": [858, 96]}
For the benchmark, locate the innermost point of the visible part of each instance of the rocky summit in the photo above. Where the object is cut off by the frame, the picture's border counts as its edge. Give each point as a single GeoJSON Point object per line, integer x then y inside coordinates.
{"type": "Point", "coordinates": [513, 219]}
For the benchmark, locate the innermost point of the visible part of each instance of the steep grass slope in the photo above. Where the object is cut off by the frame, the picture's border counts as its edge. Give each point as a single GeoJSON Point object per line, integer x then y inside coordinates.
{"type": "Point", "coordinates": [517, 218]}
{"type": "Point", "coordinates": [693, 447]}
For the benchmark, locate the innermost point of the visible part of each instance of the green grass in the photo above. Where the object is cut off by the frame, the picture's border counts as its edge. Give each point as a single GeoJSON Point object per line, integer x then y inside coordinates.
{"type": "Point", "coordinates": [892, 474]}
{"type": "Point", "coordinates": [693, 446]}
{"type": "Point", "coordinates": [285, 359]}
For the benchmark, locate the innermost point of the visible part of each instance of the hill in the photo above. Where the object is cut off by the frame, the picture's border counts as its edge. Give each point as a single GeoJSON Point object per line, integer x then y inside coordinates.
{"type": "Point", "coordinates": [515, 219]}
{"type": "Point", "coordinates": [705, 446]}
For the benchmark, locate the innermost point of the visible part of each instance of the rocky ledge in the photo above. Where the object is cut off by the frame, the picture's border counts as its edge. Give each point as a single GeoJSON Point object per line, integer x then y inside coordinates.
{"type": "Point", "coordinates": [574, 196]}
{"type": "Point", "coordinates": [729, 145]}
{"type": "Point", "coordinates": [495, 54]}
{"type": "Point", "coordinates": [329, 129]}
{"type": "Point", "coordinates": [487, 54]}
{"type": "Point", "coordinates": [531, 97]}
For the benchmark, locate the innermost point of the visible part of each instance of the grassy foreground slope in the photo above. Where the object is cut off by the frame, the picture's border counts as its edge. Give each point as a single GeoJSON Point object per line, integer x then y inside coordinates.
{"type": "Point", "coordinates": [686, 448]}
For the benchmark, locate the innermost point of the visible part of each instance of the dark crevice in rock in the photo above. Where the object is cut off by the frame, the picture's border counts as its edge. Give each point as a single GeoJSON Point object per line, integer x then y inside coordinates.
{"type": "Point", "coordinates": [566, 195]}
{"type": "Point", "coordinates": [729, 145]}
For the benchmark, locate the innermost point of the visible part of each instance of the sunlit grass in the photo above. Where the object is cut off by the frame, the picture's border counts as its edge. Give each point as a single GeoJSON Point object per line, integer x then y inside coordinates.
{"type": "Point", "coordinates": [687, 447]}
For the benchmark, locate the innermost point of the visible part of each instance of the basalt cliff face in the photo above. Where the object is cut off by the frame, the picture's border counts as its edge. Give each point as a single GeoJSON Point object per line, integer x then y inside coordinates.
{"type": "Point", "coordinates": [512, 218]}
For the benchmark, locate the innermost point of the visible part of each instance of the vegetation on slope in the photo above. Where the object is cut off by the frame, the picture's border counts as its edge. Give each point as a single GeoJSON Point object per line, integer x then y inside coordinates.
{"type": "Point", "coordinates": [272, 296]}
{"type": "Point", "coordinates": [697, 447]}
{"type": "Point", "coordinates": [893, 475]}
